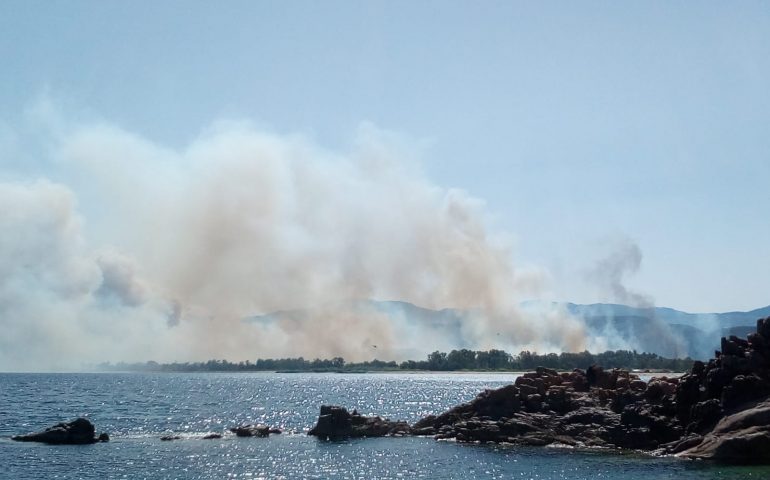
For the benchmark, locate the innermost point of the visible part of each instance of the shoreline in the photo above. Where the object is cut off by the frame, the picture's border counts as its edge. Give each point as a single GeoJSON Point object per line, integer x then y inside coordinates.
{"type": "Point", "coordinates": [651, 374]}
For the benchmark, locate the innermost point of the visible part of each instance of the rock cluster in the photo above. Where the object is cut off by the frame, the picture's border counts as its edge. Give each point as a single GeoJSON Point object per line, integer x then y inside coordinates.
{"type": "Point", "coordinates": [336, 423]}
{"type": "Point", "coordinates": [595, 407]}
{"type": "Point", "coordinates": [720, 410]}
{"type": "Point", "coordinates": [725, 403]}
{"type": "Point", "coordinates": [77, 432]}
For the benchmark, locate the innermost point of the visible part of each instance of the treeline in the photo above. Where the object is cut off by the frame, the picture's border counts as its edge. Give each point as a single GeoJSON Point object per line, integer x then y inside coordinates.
{"type": "Point", "coordinates": [489, 360]}
{"type": "Point", "coordinates": [500, 360]}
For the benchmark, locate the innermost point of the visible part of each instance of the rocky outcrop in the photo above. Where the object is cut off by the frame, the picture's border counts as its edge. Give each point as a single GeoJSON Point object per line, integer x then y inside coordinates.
{"type": "Point", "coordinates": [337, 423]}
{"type": "Point", "coordinates": [77, 432]}
{"type": "Point", "coordinates": [725, 402]}
{"type": "Point", "coordinates": [596, 407]}
{"type": "Point", "coordinates": [719, 410]}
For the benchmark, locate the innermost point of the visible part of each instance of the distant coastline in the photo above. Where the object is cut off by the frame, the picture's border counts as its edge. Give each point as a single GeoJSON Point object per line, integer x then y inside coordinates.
{"type": "Point", "coordinates": [456, 361]}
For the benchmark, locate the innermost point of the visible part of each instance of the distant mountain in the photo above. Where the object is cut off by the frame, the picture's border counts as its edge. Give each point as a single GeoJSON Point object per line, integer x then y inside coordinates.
{"type": "Point", "coordinates": [664, 331]}
{"type": "Point", "coordinates": [672, 316]}
{"type": "Point", "coordinates": [697, 334]}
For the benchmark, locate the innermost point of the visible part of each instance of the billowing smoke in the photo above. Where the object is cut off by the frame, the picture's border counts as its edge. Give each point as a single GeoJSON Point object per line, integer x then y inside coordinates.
{"type": "Point", "coordinates": [136, 251]}
{"type": "Point", "coordinates": [60, 301]}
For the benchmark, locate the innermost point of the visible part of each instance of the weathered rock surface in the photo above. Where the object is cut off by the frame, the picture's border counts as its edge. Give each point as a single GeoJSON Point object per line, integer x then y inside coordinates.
{"type": "Point", "coordinates": [336, 423]}
{"type": "Point", "coordinates": [719, 410]}
{"type": "Point", "coordinates": [588, 408]}
{"type": "Point", "coordinates": [743, 437]}
{"type": "Point", "coordinates": [77, 432]}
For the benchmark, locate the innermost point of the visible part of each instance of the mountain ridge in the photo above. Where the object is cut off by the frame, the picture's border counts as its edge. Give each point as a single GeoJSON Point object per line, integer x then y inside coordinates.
{"type": "Point", "coordinates": [661, 330]}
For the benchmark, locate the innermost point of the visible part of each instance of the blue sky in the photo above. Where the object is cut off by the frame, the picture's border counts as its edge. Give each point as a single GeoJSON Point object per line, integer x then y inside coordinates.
{"type": "Point", "coordinates": [582, 125]}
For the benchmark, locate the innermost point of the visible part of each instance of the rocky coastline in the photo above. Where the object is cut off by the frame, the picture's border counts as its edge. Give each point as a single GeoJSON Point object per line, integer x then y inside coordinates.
{"type": "Point", "coordinates": [719, 410]}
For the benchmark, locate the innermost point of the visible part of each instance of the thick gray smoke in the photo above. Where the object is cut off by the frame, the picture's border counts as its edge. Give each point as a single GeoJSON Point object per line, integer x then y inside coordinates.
{"type": "Point", "coordinates": [134, 251]}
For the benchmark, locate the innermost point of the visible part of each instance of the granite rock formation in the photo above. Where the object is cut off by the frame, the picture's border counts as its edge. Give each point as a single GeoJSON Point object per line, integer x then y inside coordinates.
{"type": "Point", "coordinates": [719, 410]}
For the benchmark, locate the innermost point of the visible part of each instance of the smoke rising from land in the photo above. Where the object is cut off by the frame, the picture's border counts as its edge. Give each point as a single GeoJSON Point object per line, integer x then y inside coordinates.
{"type": "Point", "coordinates": [610, 273]}
{"type": "Point", "coordinates": [648, 333]}
{"type": "Point", "coordinates": [136, 251]}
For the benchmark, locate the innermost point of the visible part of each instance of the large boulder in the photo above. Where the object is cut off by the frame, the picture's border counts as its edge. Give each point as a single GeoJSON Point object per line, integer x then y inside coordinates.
{"type": "Point", "coordinates": [743, 437]}
{"type": "Point", "coordinates": [77, 432]}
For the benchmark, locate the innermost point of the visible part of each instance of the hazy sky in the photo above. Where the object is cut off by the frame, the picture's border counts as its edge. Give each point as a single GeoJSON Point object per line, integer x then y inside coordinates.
{"type": "Point", "coordinates": [588, 128]}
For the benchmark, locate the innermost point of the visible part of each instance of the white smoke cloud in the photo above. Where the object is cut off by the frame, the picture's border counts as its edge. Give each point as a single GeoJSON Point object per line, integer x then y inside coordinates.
{"type": "Point", "coordinates": [136, 251]}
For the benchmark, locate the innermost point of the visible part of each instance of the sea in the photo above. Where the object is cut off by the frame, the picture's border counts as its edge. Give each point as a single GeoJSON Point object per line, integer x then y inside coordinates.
{"type": "Point", "coordinates": [136, 409]}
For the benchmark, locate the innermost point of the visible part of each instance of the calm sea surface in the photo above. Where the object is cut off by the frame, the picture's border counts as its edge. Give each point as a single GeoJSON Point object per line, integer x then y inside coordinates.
{"type": "Point", "coordinates": [136, 409]}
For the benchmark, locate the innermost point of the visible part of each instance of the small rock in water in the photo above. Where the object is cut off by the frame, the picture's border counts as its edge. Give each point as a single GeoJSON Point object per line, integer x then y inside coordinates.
{"type": "Point", "coordinates": [77, 432]}
{"type": "Point", "coordinates": [252, 430]}
{"type": "Point", "coordinates": [212, 436]}
{"type": "Point", "coordinates": [336, 422]}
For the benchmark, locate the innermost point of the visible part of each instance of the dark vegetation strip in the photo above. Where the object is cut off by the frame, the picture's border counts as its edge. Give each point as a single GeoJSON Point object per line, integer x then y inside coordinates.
{"type": "Point", "coordinates": [456, 360]}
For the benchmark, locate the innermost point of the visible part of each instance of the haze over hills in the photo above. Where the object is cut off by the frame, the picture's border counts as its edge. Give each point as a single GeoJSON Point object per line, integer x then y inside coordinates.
{"type": "Point", "coordinates": [670, 315]}
{"type": "Point", "coordinates": [699, 332]}
{"type": "Point", "coordinates": [661, 330]}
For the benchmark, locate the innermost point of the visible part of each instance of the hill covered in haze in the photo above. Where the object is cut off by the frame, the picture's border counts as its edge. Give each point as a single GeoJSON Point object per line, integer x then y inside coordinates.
{"type": "Point", "coordinates": [664, 331]}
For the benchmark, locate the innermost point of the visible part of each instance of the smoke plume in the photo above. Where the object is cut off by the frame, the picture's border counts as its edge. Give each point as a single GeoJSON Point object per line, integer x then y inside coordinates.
{"type": "Point", "coordinates": [648, 333]}
{"type": "Point", "coordinates": [125, 249]}
{"type": "Point", "coordinates": [610, 274]}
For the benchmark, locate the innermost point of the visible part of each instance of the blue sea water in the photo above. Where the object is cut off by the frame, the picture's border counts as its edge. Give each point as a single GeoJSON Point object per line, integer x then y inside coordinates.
{"type": "Point", "coordinates": [136, 409]}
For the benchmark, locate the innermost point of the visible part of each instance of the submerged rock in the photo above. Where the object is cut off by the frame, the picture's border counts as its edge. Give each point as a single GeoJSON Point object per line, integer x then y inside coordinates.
{"type": "Point", "coordinates": [252, 431]}
{"type": "Point", "coordinates": [77, 432]}
{"type": "Point", "coordinates": [239, 431]}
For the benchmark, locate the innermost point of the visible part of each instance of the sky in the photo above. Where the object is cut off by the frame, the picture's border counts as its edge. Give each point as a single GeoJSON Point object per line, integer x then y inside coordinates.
{"type": "Point", "coordinates": [576, 133]}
